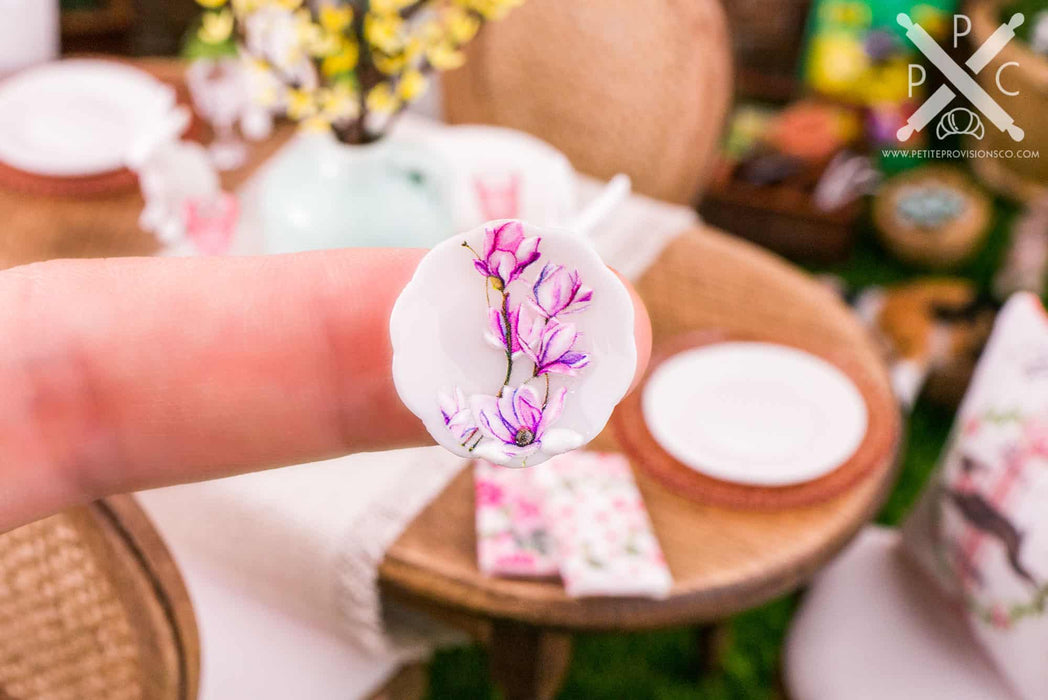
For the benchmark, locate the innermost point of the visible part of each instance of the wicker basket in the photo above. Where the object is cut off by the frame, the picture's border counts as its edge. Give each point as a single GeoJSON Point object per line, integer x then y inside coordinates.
{"type": "Point", "coordinates": [92, 606]}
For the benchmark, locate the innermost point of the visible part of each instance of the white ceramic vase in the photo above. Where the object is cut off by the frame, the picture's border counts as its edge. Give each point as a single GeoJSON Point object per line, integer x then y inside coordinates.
{"type": "Point", "coordinates": [321, 194]}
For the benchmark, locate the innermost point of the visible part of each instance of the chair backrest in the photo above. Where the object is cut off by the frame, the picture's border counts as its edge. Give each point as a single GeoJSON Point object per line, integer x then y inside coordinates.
{"type": "Point", "coordinates": [617, 85]}
{"type": "Point", "coordinates": [92, 607]}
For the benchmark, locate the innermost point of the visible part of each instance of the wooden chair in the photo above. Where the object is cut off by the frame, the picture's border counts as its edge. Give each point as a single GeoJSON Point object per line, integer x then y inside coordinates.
{"type": "Point", "coordinates": [92, 607]}
{"type": "Point", "coordinates": [617, 85]}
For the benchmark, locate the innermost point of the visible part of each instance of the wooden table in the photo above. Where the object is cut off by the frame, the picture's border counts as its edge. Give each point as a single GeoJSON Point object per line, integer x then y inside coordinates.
{"type": "Point", "coordinates": [723, 560]}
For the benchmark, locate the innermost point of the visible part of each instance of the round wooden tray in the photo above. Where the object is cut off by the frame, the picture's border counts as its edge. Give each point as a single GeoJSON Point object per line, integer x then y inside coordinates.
{"type": "Point", "coordinates": [637, 441]}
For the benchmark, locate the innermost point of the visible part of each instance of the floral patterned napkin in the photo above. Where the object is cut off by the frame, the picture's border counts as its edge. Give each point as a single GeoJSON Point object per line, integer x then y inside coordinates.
{"type": "Point", "coordinates": [512, 538]}
{"type": "Point", "coordinates": [981, 528]}
{"type": "Point", "coordinates": [579, 514]}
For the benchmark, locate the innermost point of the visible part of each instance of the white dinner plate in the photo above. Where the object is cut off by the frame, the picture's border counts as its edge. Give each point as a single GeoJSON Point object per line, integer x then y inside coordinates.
{"type": "Point", "coordinates": [755, 413]}
{"type": "Point", "coordinates": [489, 162]}
{"type": "Point", "coordinates": [78, 117]}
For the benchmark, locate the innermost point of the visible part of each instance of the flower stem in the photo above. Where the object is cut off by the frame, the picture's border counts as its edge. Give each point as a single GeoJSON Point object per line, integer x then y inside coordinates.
{"type": "Point", "coordinates": [508, 339]}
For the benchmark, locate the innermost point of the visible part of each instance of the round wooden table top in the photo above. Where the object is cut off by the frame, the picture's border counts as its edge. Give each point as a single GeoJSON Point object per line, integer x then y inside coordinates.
{"type": "Point", "coordinates": [723, 560]}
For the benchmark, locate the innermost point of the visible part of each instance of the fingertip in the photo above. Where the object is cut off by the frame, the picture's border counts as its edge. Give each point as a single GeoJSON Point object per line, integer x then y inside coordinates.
{"type": "Point", "coordinates": [641, 332]}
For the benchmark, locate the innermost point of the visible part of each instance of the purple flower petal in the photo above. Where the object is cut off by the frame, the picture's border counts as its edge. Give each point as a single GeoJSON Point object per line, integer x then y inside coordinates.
{"type": "Point", "coordinates": [489, 419]}
{"type": "Point", "coordinates": [457, 415]}
{"type": "Point", "coordinates": [507, 252]}
{"type": "Point", "coordinates": [558, 339]}
{"type": "Point", "coordinates": [575, 360]}
{"type": "Point", "coordinates": [558, 291]}
{"type": "Point", "coordinates": [552, 412]}
{"type": "Point", "coordinates": [527, 408]}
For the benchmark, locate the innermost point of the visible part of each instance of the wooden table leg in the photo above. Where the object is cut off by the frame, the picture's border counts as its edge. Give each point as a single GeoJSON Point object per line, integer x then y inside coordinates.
{"type": "Point", "coordinates": [711, 641]}
{"type": "Point", "coordinates": [526, 662]}
{"type": "Point", "coordinates": [408, 683]}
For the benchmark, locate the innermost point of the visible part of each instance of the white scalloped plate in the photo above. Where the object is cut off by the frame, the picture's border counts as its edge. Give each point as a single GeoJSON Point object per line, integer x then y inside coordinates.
{"type": "Point", "coordinates": [438, 330]}
{"type": "Point", "coordinates": [755, 413]}
{"type": "Point", "coordinates": [77, 118]}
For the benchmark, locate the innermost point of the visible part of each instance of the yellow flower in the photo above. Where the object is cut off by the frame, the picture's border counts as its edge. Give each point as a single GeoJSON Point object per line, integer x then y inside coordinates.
{"type": "Point", "coordinates": [390, 65]}
{"type": "Point", "coordinates": [316, 124]}
{"type": "Point", "coordinates": [387, 7]}
{"type": "Point", "coordinates": [335, 19]}
{"type": "Point", "coordinates": [342, 61]}
{"type": "Point", "coordinates": [339, 102]}
{"type": "Point", "coordinates": [888, 83]}
{"type": "Point", "coordinates": [411, 85]}
{"type": "Point", "coordinates": [211, 4]}
{"type": "Point", "coordinates": [837, 64]}
{"type": "Point", "coordinates": [381, 99]}
{"type": "Point", "coordinates": [244, 7]}
{"type": "Point", "coordinates": [461, 25]}
{"type": "Point", "coordinates": [443, 56]}
{"type": "Point", "coordinates": [216, 27]}
{"type": "Point", "coordinates": [300, 104]}
{"type": "Point", "coordinates": [383, 31]}
{"type": "Point", "coordinates": [288, 4]}
{"type": "Point", "coordinates": [932, 19]}
{"type": "Point", "coordinates": [846, 13]}
{"type": "Point", "coordinates": [490, 9]}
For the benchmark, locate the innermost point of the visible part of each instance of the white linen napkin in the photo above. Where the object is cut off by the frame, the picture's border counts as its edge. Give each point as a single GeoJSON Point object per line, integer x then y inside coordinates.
{"type": "Point", "coordinates": [309, 539]}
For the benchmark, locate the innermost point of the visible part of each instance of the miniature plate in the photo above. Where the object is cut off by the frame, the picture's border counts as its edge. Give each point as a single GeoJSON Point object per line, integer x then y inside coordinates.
{"type": "Point", "coordinates": [502, 173]}
{"type": "Point", "coordinates": [513, 343]}
{"type": "Point", "coordinates": [77, 118]}
{"type": "Point", "coordinates": [755, 413]}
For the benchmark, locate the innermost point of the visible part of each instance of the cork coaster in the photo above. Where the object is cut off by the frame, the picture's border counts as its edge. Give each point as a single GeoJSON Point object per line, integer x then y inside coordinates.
{"type": "Point", "coordinates": [882, 431]}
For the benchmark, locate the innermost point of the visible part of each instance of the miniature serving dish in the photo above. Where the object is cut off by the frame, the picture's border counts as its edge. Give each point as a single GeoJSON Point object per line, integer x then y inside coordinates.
{"type": "Point", "coordinates": [513, 343]}
{"type": "Point", "coordinates": [754, 413]}
{"type": "Point", "coordinates": [755, 421]}
{"type": "Point", "coordinates": [933, 216]}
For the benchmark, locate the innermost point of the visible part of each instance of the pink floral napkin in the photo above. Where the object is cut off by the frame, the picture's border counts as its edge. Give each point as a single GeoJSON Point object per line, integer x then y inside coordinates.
{"type": "Point", "coordinates": [981, 528]}
{"type": "Point", "coordinates": [512, 539]}
{"type": "Point", "coordinates": [603, 536]}
{"type": "Point", "coordinates": [580, 515]}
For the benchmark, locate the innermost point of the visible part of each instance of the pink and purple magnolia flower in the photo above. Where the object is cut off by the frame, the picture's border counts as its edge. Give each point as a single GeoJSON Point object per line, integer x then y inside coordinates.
{"type": "Point", "coordinates": [553, 350]}
{"type": "Point", "coordinates": [518, 419]}
{"type": "Point", "coordinates": [506, 253]}
{"type": "Point", "coordinates": [513, 423]}
{"type": "Point", "coordinates": [558, 291]}
{"type": "Point", "coordinates": [524, 324]}
{"type": "Point", "coordinates": [457, 415]}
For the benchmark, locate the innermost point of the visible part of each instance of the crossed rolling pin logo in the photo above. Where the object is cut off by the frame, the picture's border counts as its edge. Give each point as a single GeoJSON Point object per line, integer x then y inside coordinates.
{"type": "Point", "coordinates": [959, 79]}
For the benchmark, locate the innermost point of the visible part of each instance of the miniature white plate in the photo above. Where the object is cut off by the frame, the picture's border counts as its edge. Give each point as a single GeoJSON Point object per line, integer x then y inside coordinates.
{"type": "Point", "coordinates": [501, 173]}
{"type": "Point", "coordinates": [571, 323]}
{"type": "Point", "coordinates": [77, 118]}
{"type": "Point", "coordinates": [755, 413]}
